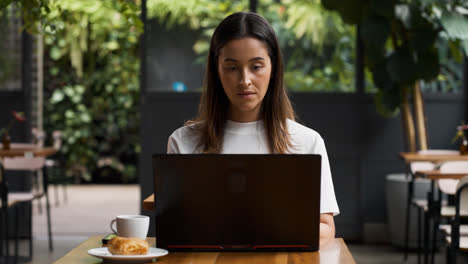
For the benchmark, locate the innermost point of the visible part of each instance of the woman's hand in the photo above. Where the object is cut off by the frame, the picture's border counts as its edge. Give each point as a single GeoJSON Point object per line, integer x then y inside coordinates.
{"type": "Point", "coordinates": [327, 229]}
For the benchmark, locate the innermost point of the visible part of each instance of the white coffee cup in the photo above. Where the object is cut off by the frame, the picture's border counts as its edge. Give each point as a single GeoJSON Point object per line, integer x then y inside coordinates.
{"type": "Point", "coordinates": [131, 226]}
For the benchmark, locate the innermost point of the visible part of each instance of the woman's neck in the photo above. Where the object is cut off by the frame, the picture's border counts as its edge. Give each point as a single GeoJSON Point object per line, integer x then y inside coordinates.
{"type": "Point", "coordinates": [243, 116]}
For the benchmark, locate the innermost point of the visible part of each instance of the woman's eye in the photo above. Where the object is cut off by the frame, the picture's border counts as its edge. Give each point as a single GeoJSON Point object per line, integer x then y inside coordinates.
{"type": "Point", "coordinates": [231, 68]}
{"type": "Point", "coordinates": [257, 67]}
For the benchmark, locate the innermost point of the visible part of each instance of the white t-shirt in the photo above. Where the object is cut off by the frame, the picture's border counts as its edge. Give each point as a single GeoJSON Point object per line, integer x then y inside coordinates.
{"type": "Point", "coordinates": [250, 138]}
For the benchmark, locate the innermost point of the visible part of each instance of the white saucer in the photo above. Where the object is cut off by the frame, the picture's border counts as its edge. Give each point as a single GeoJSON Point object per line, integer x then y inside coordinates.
{"type": "Point", "coordinates": [104, 254]}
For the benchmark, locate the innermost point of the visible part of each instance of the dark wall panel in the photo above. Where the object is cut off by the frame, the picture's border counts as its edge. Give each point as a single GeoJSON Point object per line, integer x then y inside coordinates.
{"type": "Point", "coordinates": [176, 62]}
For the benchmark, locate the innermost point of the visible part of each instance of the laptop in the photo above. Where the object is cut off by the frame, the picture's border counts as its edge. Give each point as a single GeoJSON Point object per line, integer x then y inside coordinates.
{"type": "Point", "coordinates": [238, 202]}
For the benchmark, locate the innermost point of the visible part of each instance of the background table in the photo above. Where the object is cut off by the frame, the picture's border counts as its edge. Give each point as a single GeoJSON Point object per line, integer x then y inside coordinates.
{"type": "Point", "coordinates": [333, 253]}
{"type": "Point", "coordinates": [436, 158]}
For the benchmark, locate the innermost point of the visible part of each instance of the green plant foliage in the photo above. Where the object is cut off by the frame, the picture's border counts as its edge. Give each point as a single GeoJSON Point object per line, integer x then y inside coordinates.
{"type": "Point", "coordinates": [400, 41]}
{"type": "Point", "coordinates": [92, 82]}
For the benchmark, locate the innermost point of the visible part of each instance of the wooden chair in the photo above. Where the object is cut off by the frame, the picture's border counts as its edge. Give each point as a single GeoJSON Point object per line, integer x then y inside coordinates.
{"type": "Point", "coordinates": [446, 187]}
{"type": "Point", "coordinates": [420, 204]}
{"type": "Point", "coordinates": [31, 164]}
{"type": "Point", "coordinates": [10, 200]}
{"type": "Point", "coordinates": [38, 139]}
{"type": "Point", "coordinates": [56, 175]}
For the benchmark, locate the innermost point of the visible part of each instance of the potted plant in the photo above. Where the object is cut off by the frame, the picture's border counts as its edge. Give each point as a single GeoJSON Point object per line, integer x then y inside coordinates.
{"type": "Point", "coordinates": [399, 39]}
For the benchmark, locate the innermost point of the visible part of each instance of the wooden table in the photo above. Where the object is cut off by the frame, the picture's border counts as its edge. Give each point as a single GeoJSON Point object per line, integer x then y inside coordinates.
{"type": "Point", "coordinates": [438, 175]}
{"type": "Point", "coordinates": [333, 253]}
{"type": "Point", "coordinates": [29, 150]}
{"type": "Point", "coordinates": [148, 203]}
{"type": "Point", "coordinates": [409, 157]}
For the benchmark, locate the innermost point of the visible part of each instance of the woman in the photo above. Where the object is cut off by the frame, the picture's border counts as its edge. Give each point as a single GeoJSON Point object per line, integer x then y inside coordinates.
{"type": "Point", "coordinates": [245, 108]}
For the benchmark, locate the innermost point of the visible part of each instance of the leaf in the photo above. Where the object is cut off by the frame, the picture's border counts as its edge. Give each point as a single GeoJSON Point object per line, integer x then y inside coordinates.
{"type": "Point", "coordinates": [423, 40]}
{"type": "Point", "coordinates": [375, 31]}
{"type": "Point", "coordinates": [383, 8]}
{"type": "Point", "coordinates": [331, 4]}
{"type": "Point", "coordinates": [381, 77]}
{"type": "Point", "coordinates": [387, 102]}
{"type": "Point", "coordinates": [401, 66]}
{"type": "Point", "coordinates": [428, 66]}
{"type": "Point", "coordinates": [374, 56]}
{"type": "Point", "coordinates": [403, 13]}
{"type": "Point", "coordinates": [55, 53]}
{"type": "Point", "coordinates": [350, 10]}
{"type": "Point", "coordinates": [5, 3]}
{"type": "Point", "coordinates": [464, 44]}
{"type": "Point", "coordinates": [57, 97]}
{"type": "Point", "coordinates": [456, 25]}
{"type": "Point", "coordinates": [456, 50]}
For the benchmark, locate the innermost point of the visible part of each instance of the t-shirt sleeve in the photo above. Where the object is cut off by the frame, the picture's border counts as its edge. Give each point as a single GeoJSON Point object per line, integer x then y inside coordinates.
{"type": "Point", "coordinates": [182, 141]}
{"type": "Point", "coordinates": [328, 202]}
{"type": "Point", "coordinates": [172, 145]}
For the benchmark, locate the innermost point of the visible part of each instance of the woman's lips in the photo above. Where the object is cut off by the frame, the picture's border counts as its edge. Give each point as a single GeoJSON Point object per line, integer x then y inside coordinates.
{"type": "Point", "coordinates": [246, 95]}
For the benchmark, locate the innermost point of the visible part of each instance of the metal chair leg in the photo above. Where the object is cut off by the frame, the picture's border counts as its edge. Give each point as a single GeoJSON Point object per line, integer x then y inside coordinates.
{"type": "Point", "coordinates": [447, 254]}
{"type": "Point", "coordinates": [36, 185]}
{"type": "Point", "coordinates": [419, 235]}
{"type": "Point", "coordinates": [2, 235]}
{"type": "Point", "coordinates": [45, 181]}
{"type": "Point", "coordinates": [56, 192]}
{"type": "Point", "coordinates": [6, 233]}
{"type": "Point", "coordinates": [426, 237]}
{"type": "Point", "coordinates": [434, 238]}
{"type": "Point", "coordinates": [65, 195]}
{"type": "Point", "coordinates": [408, 211]}
{"type": "Point", "coordinates": [51, 248]}
{"type": "Point", "coordinates": [16, 233]}
{"type": "Point", "coordinates": [30, 231]}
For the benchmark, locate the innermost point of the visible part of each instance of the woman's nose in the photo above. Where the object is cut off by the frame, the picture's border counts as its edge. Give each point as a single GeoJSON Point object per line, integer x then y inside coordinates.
{"type": "Point", "coordinates": [245, 78]}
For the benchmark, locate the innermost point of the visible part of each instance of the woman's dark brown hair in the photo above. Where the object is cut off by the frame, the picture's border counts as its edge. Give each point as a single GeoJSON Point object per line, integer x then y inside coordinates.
{"type": "Point", "coordinates": [276, 107]}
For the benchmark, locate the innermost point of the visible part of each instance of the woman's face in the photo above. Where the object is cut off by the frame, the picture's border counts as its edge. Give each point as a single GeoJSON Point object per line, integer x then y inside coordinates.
{"type": "Point", "coordinates": [244, 68]}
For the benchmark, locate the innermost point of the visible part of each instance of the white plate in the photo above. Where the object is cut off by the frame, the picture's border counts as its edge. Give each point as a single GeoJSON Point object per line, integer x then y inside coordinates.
{"type": "Point", "coordinates": [104, 253]}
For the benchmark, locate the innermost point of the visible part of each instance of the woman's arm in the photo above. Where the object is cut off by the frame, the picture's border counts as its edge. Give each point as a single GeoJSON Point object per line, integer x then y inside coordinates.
{"type": "Point", "coordinates": [327, 228]}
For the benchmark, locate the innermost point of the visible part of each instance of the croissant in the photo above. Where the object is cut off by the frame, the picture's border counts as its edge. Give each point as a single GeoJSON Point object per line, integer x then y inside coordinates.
{"type": "Point", "coordinates": [127, 246]}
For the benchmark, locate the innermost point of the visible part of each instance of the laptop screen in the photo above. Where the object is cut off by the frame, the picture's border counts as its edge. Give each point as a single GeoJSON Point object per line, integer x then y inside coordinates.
{"type": "Point", "coordinates": [237, 202]}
